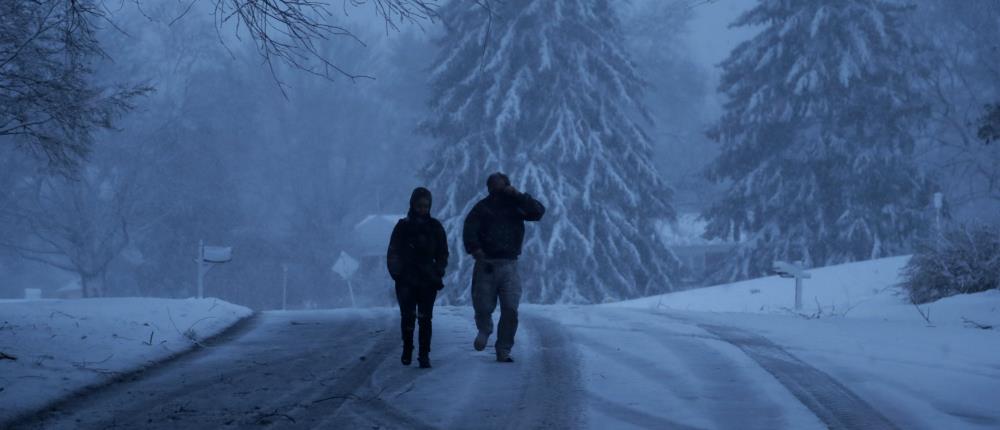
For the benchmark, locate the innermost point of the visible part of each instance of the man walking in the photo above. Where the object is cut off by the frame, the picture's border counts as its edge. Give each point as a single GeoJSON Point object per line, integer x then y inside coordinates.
{"type": "Point", "coordinates": [493, 235]}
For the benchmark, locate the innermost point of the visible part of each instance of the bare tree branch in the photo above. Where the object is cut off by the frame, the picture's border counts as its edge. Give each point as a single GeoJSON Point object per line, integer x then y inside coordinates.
{"type": "Point", "coordinates": [290, 31]}
{"type": "Point", "coordinates": [989, 124]}
{"type": "Point", "coordinates": [47, 103]}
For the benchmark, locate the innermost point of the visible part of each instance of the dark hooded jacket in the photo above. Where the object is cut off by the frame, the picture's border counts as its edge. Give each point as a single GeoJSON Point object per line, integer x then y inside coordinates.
{"type": "Point", "coordinates": [418, 248]}
{"type": "Point", "coordinates": [496, 224]}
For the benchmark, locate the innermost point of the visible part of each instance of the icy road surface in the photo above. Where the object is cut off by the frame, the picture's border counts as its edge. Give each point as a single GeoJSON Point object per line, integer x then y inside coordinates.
{"type": "Point", "coordinates": [577, 367]}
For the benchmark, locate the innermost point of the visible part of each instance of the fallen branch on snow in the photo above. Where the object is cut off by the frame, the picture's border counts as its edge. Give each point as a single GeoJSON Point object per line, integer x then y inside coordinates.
{"type": "Point", "coordinates": [975, 324]}
{"type": "Point", "coordinates": [54, 313]}
{"type": "Point", "coordinates": [812, 316]}
{"type": "Point", "coordinates": [83, 364]}
{"type": "Point", "coordinates": [927, 316]}
{"type": "Point", "coordinates": [190, 334]}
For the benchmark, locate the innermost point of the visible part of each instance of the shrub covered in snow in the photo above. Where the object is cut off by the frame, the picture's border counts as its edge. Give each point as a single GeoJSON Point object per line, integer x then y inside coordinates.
{"type": "Point", "coordinates": [961, 260]}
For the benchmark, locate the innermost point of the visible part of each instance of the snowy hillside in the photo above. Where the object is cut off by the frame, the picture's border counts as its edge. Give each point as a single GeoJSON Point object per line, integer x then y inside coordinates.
{"type": "Point", "coordinates": [866, 289]}
{"type": "Point", "coordinates": [57, 347]}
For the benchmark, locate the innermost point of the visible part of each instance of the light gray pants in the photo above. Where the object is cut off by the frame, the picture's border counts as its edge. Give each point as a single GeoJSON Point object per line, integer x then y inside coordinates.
{"type": "Point", "coordinates": [493, 280]}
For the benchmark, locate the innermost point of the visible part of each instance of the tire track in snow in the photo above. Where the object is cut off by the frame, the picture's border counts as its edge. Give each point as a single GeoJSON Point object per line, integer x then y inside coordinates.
{"type": "Point", "coordinates": [552, 394]}
{"type": "Point", "coordinates": [634, 417]}
{"type": "Point", "coordinates": [832, 402]}
{"type": "Point", "coordinates": [373, 407]}
{"type": "Point", "coordinates": [700, 380]}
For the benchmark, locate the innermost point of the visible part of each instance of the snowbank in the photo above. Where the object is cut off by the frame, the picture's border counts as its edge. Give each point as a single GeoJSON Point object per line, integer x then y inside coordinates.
{"type": "Point", "coordinates": [863, 290]}
{"type": "Point", "coordinates": [920, 377]}
{"type": "Point", "coordinates": [923, 367]}
{"type": "Point", "coordinates": [63, 346]}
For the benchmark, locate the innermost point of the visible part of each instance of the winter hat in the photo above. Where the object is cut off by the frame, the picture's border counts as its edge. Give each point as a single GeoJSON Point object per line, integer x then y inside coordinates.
{"type": "Point", "coordinates": [420, 193]}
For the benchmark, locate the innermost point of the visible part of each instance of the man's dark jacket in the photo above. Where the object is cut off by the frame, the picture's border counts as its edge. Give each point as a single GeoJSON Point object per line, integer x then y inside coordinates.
{"type": "Point", "coordinates": [418, 252]}
{"type": "Point", "coordinates": [496, 224]}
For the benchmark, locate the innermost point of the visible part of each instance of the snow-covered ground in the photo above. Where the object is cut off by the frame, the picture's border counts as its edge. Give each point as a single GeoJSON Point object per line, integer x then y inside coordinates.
{"type": "Point", "coordinates": [724, 357]}
{"type": "Point", "coordinates": [63, 346]}
{"type": "Point", "coordinates": [932, 367]}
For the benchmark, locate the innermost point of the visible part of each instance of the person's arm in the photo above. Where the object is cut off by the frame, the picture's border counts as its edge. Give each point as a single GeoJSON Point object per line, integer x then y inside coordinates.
{"type": "Point", "coordinates": [441, 259]}
{"type": "Point", "coordinates": [393, 256]}
{"type": "Point", "coordinates": [531, 209]}
{"type": "Point", "coordinates": [470, 233]}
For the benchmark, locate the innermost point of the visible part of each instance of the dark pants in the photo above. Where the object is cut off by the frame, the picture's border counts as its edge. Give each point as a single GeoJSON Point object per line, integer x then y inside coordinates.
{"type": "Point", "coordinates": [494, 280]}
{"type": "Point", "coordinates": [416, 303]}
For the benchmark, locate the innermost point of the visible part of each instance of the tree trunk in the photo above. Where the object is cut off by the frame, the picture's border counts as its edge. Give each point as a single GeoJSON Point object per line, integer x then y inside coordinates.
{"type": "Point", "coordinates": [92, 284]}
{"type": "Point", "coordinates": [84, 288]}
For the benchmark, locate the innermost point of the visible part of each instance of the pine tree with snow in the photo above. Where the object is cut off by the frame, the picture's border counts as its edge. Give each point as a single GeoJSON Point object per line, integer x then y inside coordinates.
{"type": "Point", "coordinates": [544, 92]}
{"type": "Point", "coordinates": [817, 137]}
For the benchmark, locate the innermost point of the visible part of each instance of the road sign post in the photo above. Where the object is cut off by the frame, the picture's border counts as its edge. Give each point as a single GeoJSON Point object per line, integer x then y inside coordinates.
{"type": "Point", "coordinates": [345, 267]}
{"type": "Point", "coordinates": [284, 287]}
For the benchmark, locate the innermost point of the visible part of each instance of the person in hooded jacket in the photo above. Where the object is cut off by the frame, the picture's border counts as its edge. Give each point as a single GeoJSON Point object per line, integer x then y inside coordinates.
{"type": "Point", "coordinates": [416, 259]}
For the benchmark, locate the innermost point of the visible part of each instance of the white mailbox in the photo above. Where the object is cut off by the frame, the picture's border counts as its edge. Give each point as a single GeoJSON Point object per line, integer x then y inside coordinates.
{"type": "Point", "coordinates": [208, 257]}
{"type": "Point", "coordinates": [785, 269]}
{"type": "Point", "coordinates": [217, 254]}
{"type": "Point", "coordinates": [789, 270]}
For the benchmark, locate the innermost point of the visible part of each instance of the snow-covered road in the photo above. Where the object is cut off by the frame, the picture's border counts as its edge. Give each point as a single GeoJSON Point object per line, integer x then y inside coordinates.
{"type": "Point", "coordinates": [340, 369]}
{"type": "Point", "coordinates": [577, 367]}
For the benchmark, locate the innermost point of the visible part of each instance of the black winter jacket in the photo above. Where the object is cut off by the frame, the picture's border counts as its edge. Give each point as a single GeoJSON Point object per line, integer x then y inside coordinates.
{"type": "Point", "coordinates": [496, 224]}
{"type": "Point", "coordinates": [418, 252]}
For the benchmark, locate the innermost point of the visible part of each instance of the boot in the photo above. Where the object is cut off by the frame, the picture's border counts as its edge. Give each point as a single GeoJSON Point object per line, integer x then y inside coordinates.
{"type": "Point", "coordinates": [425, 343]}
{"type": "Point", "coordinates": [504, 357]}
{"type": "Point", "coordinates": [480, 343]}
{"type": "Point", "coordinates": [407, 356]}
{"type": "Point", "coordinates": [407, 331]}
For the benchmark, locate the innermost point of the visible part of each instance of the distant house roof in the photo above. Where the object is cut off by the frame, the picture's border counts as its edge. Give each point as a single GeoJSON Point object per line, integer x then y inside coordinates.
{"type": "Point", "coordinates": [70, 286]}
{"type": "Point", "coordinates": [371, 234]}
{"type": "Point", "coordinates": [380, 219]}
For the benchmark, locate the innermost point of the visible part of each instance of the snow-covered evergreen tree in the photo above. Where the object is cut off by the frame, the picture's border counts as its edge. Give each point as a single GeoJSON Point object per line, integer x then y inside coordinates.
{"type": "Point", "coordinates": [545, 92]}
{"type": "Point", "coordinates": [817, 137]}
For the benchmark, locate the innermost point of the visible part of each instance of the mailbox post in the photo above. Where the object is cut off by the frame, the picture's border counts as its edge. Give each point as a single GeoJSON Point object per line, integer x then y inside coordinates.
{"type": "Point", "coordinates": [789, 270]}
{"type": "Point", "coordinates": [208, 257]}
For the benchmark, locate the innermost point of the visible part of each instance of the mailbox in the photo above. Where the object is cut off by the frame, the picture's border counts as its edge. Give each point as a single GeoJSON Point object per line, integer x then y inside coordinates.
{"type": "Point", "coordinates": [217, 254]}
{"type": "Point", "coordinates": [789, 270]}
{"type": "Point", "coordinates": [785, 269]}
